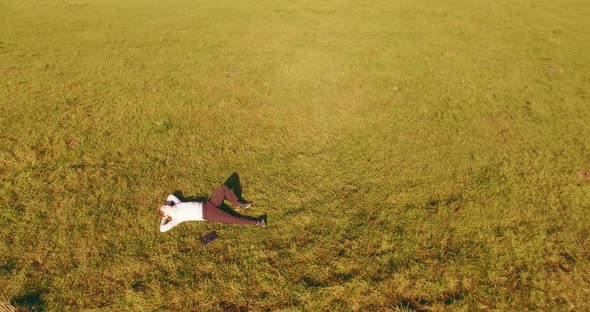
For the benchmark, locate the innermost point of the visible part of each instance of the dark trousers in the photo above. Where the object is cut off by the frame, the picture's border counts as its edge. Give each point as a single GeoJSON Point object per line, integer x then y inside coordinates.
{"type": "Point", "coordinates": [213, 212]}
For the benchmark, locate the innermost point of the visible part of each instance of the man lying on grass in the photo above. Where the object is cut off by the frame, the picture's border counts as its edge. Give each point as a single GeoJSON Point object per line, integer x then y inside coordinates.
{"type": "Point", "coordinates": [175, 211]}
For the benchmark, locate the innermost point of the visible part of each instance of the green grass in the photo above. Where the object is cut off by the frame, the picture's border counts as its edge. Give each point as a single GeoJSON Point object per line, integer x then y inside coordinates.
{"type": "Point", "coordinates": [411, 155]}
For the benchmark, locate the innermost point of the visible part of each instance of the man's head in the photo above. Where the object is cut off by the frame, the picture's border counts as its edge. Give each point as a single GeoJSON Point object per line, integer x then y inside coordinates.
{"type": "Point", "coordinates": [164, 212]}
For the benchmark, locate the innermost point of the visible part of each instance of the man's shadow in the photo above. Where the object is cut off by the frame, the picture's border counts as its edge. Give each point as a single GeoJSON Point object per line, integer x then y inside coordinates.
{"type": "Point", "coordinates": [233, 183]}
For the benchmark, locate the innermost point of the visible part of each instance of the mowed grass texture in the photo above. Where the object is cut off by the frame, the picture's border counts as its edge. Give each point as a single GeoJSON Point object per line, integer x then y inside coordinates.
{"type": "Point", "coordinates": [411, 155]}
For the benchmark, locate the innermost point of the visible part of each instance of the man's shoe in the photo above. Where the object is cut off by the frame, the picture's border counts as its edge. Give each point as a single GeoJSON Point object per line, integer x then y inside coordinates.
{"type": "Point", "coordinates": [261, 223]}
{"type": "Point", "coordinates": [245, 204]}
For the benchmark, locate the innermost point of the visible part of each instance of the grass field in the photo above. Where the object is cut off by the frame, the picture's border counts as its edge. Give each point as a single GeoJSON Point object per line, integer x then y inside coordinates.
{"type": "Point", "coordinates": [411, 155]}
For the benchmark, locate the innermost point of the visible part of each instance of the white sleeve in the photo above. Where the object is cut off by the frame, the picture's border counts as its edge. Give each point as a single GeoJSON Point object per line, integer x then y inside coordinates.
{"type": "Point", "coordinates": [167, 226]}
{"type": "Point", "coordinates": [173, 198]}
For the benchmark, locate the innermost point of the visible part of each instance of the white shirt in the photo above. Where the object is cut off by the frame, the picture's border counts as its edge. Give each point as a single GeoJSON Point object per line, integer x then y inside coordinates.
{"type": "Point", "coordinates": [182, 211]}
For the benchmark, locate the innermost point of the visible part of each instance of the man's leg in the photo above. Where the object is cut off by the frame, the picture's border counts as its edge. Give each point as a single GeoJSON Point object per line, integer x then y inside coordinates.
{"type": "Point", "coordinates": [215, 214]}
{"type": "Point", "coordinates": [223, 192]}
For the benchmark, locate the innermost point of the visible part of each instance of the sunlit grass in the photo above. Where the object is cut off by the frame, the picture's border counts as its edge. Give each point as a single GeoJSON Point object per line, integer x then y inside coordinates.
{"type": "Point", "coordinates": [420, 155]}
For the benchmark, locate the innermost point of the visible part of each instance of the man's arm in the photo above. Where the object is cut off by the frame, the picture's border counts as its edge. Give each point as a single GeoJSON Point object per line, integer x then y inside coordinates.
{"type": "Point", "coordinates": [167, 225]}
{"type": "Point", "coordinates": [172, 200]}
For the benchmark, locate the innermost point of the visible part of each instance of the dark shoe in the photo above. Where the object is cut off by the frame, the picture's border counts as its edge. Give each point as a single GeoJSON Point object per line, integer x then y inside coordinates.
{"type": "Point", "coordinates": [262, 221]}
{"type": "Point", "coordinates": [245, 204]}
